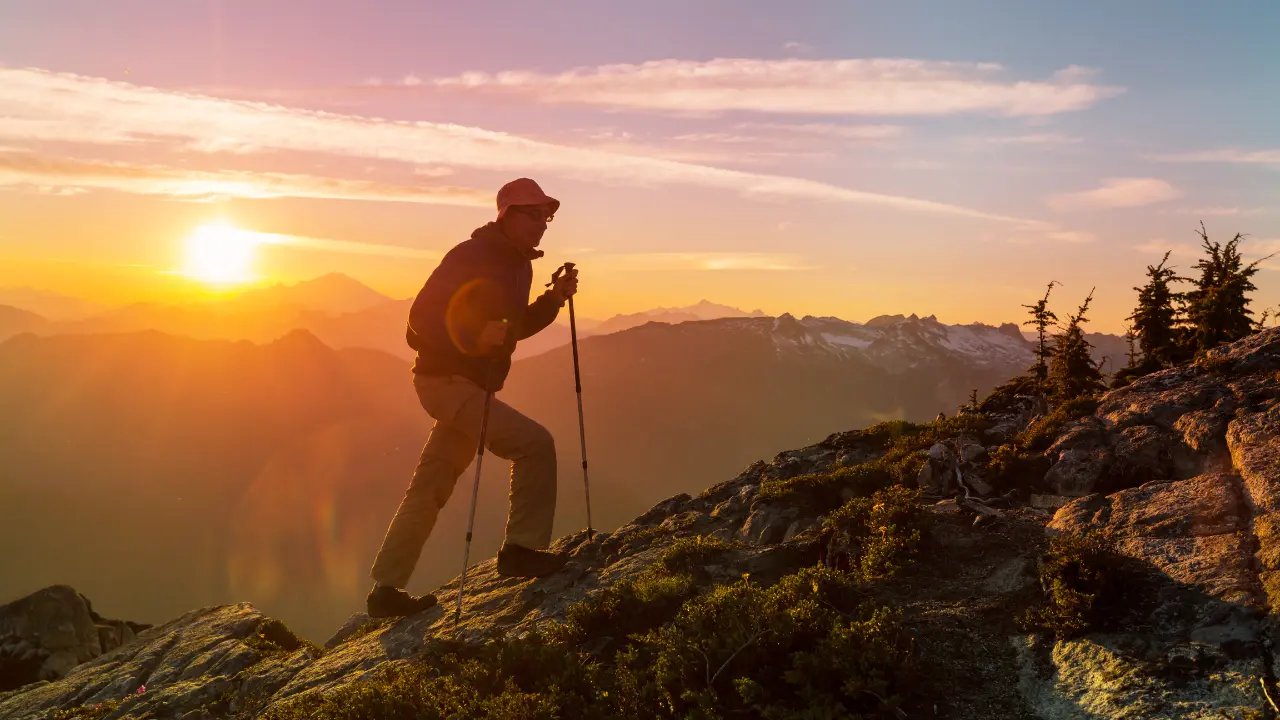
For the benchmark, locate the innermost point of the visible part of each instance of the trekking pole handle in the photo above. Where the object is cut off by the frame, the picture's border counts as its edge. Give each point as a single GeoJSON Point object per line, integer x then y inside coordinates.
{"type": "Point", "coordinates": [559, 271]}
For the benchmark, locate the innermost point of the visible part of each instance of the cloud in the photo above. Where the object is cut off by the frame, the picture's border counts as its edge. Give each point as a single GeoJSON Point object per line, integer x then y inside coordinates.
{"type": "Point", "coordinates": [1219, 211]}
{"type": "Point", "coordinates": [875, 86]}
{"type": "Point", "coordinates": [1190, 251]}
{"type": "Point", "coordinates": [69, 176]}
{"type": "Point", "coordinates": [1226, 155]}
{"type": "Point", "coordinates": [1117, 193]}
{"type": "Point", "coordinates": [1048, 138]}
{"type": "Point", "coordinates": [1157, 247]}
{"type": "Point", "coordinates": [341, 246]}
{"type": "Point", "coordinates": [705, 261]}
{"type": "Point", "coordinates": [80, 109]}
{"type": "Point", "coordinates": [855, 133]}
{"type": "Point", "coordinates": [798, 48]}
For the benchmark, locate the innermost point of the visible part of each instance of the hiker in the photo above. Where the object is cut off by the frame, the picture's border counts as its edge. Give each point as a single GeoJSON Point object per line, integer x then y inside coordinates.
{"type": "Point", "coordinates": [464, 325]}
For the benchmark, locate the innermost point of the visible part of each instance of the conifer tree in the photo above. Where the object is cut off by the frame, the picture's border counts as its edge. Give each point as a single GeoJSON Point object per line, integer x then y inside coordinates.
{"type": "Point", "coordinates": [1130, 340]}
{"type": "Point", "coordinates": [1155, 319]}
{"type": "Point", "coordinates": [1042, 317]}
{"type": "Point", "coordinates": [1072, 373]}
{"type": "Point", "coordinates": [1218, 308]}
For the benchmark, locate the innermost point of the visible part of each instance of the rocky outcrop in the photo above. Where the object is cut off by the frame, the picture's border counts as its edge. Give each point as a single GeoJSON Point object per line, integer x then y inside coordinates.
{"type": "Point", "coordinates": [1188, 462]}
{"type": "Point", "coordinates": [46, 634]}
{"type": "Point", "coordinates": [1173, 424]}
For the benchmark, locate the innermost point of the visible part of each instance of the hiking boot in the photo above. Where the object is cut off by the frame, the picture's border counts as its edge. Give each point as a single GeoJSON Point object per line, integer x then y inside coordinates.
{"type": "Point", "coordinates": [384, 602]}
{"type": "Point", "coordinates": [519, 561]}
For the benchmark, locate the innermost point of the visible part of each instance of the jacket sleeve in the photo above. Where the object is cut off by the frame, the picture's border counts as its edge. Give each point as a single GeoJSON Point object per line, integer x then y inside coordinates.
{"type": "Point", "coordinates": [540, 313]}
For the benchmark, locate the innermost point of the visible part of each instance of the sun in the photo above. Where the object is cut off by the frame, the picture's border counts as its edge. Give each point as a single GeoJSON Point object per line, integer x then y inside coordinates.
{"type": "Point", "coordinates": [221, 254]}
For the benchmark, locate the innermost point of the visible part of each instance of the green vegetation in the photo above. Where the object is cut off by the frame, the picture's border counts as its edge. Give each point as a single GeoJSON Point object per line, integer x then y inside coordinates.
{"type": "Point", "coordinates": [1011, 464]}
{"type": "Point", "coordinates": [1081, 579]}
{"type": "Point", "coordinates": [902, 445]}
{"type": "Point", "coordinates": [875, 537]}
{"type": "Point", "coordinates": [639, 604]}
{"type": "Point", "coordinates": [1174, 327]}
{"type": "Point", "coordinates": [804, 648]}
{"type": "Point", "coordinates": [670, 644]}
{"type": "Point", "coordinates": [272, 636]}
{"type": "Point", "coordinates": [88, 712]}
{"type": "Point", "coordinates": [1042, 433]}
{"type": "Point", "coordinates": [1155, 322]}
{"type": "Point", "coordinates": [1072, 373]}
{"type": "Point", "coordinates": [1042, 318]}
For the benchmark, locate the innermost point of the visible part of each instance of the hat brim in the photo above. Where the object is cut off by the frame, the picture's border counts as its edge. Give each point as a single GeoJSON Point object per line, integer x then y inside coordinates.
{"type": "Point", "coordinates": [550, 203]}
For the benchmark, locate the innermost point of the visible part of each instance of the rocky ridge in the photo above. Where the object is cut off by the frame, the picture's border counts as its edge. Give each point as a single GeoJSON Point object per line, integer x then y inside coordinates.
{"type": "Point", "coordinates": [1181, 471]}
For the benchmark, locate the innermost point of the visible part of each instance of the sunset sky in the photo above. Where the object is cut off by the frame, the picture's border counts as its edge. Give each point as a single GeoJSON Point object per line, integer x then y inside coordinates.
{"type": "Point", "coordinates": [846, 159]}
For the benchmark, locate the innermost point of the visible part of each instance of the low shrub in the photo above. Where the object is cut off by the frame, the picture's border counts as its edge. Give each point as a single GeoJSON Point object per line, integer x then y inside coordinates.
{"type": "Point", "coordinates": [802, 648]}
{"type": "Point", "coordinates": [823, 492]}
{"type": "Point", "coordinates": [1042, 433]}
{"type": "Point", "coordinates": [1007, 398]}
{"type": "Point", "coordinates": [1082, 579]}
{"type": "Point", "coordinates": [88, 712]}
{"type": "Point", "coordinates": [873, 538]}
{"type": "Point", "coordinates": [639, 604]}
{"type": "Point", "coordinates": [272, 636]}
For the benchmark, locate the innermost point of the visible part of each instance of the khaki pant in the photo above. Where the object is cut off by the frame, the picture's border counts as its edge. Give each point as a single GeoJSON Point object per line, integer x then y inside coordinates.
{"type": "Point", "coordinates": [457, 405]}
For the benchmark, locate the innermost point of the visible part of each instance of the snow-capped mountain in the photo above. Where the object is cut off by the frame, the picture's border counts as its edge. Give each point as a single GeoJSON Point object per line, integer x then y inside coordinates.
{"type": "Point", "coordinates": [893, 342]}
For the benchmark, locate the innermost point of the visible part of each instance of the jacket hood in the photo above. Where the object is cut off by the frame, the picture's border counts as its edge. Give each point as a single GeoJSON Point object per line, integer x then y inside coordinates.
{"type": "Point", "coordinates": [491, 232]}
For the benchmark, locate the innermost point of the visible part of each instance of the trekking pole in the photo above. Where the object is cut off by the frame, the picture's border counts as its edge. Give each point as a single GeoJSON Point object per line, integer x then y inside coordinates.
{"type": "Point", "coordinates": [577, 382]}
{"type": "Point", "coordinates": [475, 493]}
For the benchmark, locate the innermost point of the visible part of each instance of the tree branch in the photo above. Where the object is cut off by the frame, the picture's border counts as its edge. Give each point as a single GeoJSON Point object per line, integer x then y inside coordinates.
{"type": "Point", "coordinates": [734, 655]}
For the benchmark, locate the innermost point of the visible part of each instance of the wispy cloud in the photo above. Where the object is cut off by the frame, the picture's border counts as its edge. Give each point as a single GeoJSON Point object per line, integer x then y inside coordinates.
{"type": "Point", "coordinates": [1226, 155]}
{"type": "Point", "coordinates": [1157, 247]}
{"type": "Point", "coordinates": [1188, 251]}
{"type": "Point", "coordinates": [81, 109]}
{"type": "Point", "coordinates": [705, 261]}
{"type": "Point", "coordinates": [1219, 211]}
{"type": "Point", "coordinates": [1117, 193]}
{"type": "Point", "coordinates": [853, 133]}
{"type": "Point", "coordinates": [1047, 138]}
{"type": "Point", "coordinates": [342, 246]}
{"type": "Point", "coordinates": [71, 175]}
{"type": "Point", "coordinates": [874, 86]}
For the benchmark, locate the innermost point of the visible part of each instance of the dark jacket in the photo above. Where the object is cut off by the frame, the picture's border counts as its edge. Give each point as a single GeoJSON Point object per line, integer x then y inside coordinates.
{"type": "Point", "coordinates": [482, 279]}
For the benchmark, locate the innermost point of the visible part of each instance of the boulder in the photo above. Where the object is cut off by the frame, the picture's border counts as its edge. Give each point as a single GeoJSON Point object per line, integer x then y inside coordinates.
{"type": "Point", "coordinates": [767, 525]}
{"type": "Point", "coordinates": [973, 453]}
{"type": "Point", "coordinates": [1254, 442]}
{"type": "Point", "coordinates": [1195, 531]}
{"type": "Point", "coordinates": [1080, 459]}
{"type": "Point", "coordinates": [56, 624]}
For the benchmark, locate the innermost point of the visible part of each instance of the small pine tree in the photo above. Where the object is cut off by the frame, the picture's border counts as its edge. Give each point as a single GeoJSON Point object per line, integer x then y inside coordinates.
{"type": "Point", "coordinates": [1218, 308]}
{"type": "Point", "coordinates": [1155, 319]}
{"type": "Point", "coordinates": [1268, 313]}
{"type": "Point", "coordinates": [1130, 340]}
{"type": "Point", "coordinates": [973, 398]}
{"type": "Point", "coordinates": [1072, 373]}
{"type": "Point", "coordinates": [1042, 317]}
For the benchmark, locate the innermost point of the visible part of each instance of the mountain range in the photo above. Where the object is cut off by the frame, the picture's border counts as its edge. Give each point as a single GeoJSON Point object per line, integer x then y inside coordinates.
{"type": "Point", "coordinates": [270, 471]}
{"type": "Point", "coordinates": [338, 309]}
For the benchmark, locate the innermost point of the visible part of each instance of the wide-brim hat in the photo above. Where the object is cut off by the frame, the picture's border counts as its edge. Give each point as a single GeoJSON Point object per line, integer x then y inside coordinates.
{"type": "Point", "coordinates": [523, 191]}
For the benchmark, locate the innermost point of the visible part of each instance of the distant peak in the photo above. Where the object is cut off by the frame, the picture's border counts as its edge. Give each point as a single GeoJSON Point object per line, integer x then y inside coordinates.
{"type": "Point", "coordinates": [882, 320]}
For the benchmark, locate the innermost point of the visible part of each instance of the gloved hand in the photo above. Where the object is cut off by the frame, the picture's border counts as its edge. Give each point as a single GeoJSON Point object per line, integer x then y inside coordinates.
{"type": "Point", "coordinates": [564, 287]}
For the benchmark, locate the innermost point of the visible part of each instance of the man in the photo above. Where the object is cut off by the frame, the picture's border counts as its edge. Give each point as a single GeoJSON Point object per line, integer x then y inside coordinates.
{"type": "Point", "coordinates": [464, 324]}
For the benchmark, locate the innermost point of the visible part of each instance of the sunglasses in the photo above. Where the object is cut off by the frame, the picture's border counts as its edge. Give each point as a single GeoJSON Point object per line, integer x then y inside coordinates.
{"type": "Point", "coordinates": [533, 212]}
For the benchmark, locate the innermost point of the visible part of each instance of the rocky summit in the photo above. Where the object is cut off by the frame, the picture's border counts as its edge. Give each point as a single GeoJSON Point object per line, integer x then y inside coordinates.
{"type": "Point", "coordinates": [1117, 559]}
